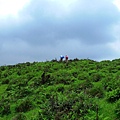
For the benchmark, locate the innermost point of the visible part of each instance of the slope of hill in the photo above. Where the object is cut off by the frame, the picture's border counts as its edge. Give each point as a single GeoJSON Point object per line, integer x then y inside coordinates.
{"type": "Point", "coordinates": [78, 90]}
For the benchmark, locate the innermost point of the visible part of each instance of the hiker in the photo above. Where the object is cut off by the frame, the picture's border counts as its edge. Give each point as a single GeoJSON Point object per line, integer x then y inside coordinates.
{"type": "Point", "coordinates": [66, 58]}
{"type": "Point", "coordinates": [61, 58]}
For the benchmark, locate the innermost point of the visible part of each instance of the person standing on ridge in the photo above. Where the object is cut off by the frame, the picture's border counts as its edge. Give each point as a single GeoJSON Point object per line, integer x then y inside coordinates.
{"type": "Point", "coordinates": [66, 58]}
{"type": "Point", "coordinates": [61, 58]}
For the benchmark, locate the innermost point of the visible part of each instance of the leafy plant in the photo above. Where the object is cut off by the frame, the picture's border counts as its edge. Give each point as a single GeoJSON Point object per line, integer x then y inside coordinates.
{"type": "Point", "coordinates": [19, 116]}
{"type": "Point", "coordinates": [113, 95]}
{"type": "Point", "coordinates": [96, 92]}
{"type": "Point", "coordinates": [24, 106]}
{"type": "Point", "coordinates": [5, 109]}
{"type": "Point", "coordinates": [117, 109]}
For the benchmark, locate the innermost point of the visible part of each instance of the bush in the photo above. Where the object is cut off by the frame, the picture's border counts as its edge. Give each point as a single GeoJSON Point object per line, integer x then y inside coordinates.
{"type": "Point", "coordinates": [117, 109]}
{"type": "Point", "coordinates": [23, 92]}
{"type": "Point", "coordinates": [20, 116]}
{"type": "Point", "coordinates": [95, 77]}
{"type": "Point", "coordinates": [5, 109]}
{"type": "Point", "coordinates": [113, 95]}
{"type": "Point", "coordinates": [5, 81]}
{"type": "Point", "coordinates": [83, 106]}
{"type": "Point", "coordinates": [96, 92]}
{"type": "Point", "coordinates": [83, 76]}
{"type": "Point", "coordinates": [86, 84]}
{"type": "Point", "coordinates": [24, 106]}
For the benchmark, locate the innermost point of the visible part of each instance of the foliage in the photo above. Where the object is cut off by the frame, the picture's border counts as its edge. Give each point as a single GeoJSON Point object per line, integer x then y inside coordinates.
{"type": "Point", "coordinates": [113, 95]}
{"type": "Point", "coordinates": [117, 109]}
{"type": "Point", "coordinates": [77, 90]}
{"type": "Point", "coordinates": [5, 109]}
{"type": "Point", "coordinates": [96, 92]}
{"type": "Point", "coordinates": [19, 116]}
{"type": "Point", "coordinates": [24, 106]}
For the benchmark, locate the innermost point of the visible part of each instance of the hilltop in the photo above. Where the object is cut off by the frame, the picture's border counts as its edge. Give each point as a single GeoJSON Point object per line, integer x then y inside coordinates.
{"type": "Point", "coordinates": [81, 89]}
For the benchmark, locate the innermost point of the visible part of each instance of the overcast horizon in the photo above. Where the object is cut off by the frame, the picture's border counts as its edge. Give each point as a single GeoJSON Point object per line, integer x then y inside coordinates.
{"type": "Point", "coordinates": [43, 30]}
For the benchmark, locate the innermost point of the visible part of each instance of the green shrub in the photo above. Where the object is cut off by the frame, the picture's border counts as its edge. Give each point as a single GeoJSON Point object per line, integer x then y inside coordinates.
{"type": "Point", "coordinates": [95, 77]}
{"type": "Point", "coordinates": [96, 92]}
{"type": "Point", "coordinates": [83, 106]}
{"type": "Point", "coordinates": [2, 68]}
{"type": "Point", "coordinates": [113, 95]}
{"type": "Point", "coordinates": [86, 84]}
{"type": "Point", "coordinates": [24, 106]}
{"type": "Point", "coordinates": [60, 89]}
{"type": "Point", "coordinates": [83, 76]}
{"type": "Point", "coordinates": [5, 81]}
{"type": "Point", "coordinates": [23, 92]}
{"type": "Point", "coordinates": [5, 109]}
{"type": "Point", "coordinates": [19, 116]}
{"type": "Point", "coordinates": [117, 109]}
{"type": "Point", "coordinates": [36, 81]}
{"type": "Point", "coordinates": [108, 84]}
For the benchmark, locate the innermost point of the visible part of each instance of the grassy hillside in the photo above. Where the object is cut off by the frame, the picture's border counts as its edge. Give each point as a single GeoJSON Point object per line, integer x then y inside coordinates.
{"type": "Point", "coordinates": [78, 90]}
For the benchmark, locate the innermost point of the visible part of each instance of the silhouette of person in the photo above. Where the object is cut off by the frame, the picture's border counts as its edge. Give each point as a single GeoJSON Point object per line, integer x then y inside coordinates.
{"type": "Point", "coordinates": [66, 58]}
{"type": "Point", "coordinates": [61, 58]}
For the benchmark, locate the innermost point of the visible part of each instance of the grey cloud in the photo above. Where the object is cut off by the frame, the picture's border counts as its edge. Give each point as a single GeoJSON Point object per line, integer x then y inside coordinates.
{"type": "Point", "coordinates": [91, 27]}
{"type": "Point", "coordinates": [48, 31]}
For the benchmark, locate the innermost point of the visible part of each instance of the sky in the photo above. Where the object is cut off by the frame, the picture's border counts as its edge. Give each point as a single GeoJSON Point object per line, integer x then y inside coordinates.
{"type": "Point", "coordinates": [42, 30]}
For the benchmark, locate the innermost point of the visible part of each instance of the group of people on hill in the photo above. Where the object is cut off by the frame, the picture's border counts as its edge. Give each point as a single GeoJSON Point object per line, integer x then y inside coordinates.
{"type": "Point", "coordinates": [62, 57]}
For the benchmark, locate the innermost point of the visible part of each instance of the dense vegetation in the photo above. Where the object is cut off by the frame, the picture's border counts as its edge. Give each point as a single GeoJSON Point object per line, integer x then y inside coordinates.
{"type": "Point", "coordinates": [78, 90]}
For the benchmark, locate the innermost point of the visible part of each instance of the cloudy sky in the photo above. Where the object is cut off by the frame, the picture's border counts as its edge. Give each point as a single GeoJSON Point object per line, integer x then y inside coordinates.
{"type": "Point", "coordinates": [40, 30]}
